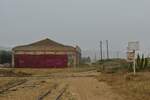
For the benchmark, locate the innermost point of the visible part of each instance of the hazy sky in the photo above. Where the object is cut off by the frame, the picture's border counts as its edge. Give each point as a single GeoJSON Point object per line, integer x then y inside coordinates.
{"type": "Point", "coordinates": [82, 22]}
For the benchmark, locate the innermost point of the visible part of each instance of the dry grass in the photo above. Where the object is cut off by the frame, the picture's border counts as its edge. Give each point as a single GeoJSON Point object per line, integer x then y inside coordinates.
{"type": "Point", "coordinates": [129, 86]}
{"type": "Point", "coordinates": [39, 72]}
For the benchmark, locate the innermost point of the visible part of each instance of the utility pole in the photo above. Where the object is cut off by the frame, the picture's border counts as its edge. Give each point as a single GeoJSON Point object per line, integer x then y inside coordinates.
{"type": "Point", "coordinates": [95, 58]}
{"type": "Point", "coordinates": [107, 47]}
{"type": "Point", "coordinates": [101, 50]}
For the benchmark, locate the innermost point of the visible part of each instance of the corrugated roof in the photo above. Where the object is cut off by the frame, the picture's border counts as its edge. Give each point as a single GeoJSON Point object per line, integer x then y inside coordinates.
{"type": "Point", "coordinates": [46, 44]}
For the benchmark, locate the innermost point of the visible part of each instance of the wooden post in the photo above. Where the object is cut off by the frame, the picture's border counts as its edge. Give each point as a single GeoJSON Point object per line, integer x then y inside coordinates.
{"type": "Point", "coordinates": [13, 59]}
{"type": "Point", "coordinates": [107, 47]}
{"type": "Point", "coordinates": [101, 50]}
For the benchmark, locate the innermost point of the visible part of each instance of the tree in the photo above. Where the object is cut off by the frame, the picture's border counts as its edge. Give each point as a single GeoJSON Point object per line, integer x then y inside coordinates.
{"type": "Point", "coordinates": [5, 57]}
{"type": "Point", "coordinates": [141, 63]}
{"type": "Point", "coordinates": [138, 61]}
{"type": "Point", "coordinates": [146, 62]}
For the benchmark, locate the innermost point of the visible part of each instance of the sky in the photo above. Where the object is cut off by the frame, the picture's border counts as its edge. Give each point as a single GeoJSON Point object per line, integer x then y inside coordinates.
{"type": "Point", "coordinates": [76, 22]}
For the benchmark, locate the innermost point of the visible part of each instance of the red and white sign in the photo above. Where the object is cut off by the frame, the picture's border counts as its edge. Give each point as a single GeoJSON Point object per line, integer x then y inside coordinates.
{"type": "Point", "coordinates": [130, 56]}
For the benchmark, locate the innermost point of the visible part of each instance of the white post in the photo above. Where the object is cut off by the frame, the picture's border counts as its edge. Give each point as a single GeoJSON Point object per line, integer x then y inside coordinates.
{"type": "Point", "coordinates": [133, 46]}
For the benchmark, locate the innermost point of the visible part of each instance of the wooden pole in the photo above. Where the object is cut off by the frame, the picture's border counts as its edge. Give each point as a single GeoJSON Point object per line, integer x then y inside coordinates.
{"type": "Point", "coordinates": [101, 50]}
{"type": "Point", "coordinates": [107, 47]}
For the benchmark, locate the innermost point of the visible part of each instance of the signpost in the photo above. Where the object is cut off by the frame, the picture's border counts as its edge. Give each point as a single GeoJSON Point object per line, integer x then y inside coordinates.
{"type": "Point", "coordinates": [131, 54]}
{"type": "Point", "coordinates": [133, 46]}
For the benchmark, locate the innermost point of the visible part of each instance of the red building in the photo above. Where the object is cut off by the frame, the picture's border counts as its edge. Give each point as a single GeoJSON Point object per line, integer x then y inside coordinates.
{"type": "Point", "coordinates": [45, 54]}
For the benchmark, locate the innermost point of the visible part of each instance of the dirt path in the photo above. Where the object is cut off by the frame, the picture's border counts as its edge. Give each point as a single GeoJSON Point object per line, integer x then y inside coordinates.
{"type": "Point", "coordinates": [90, 89]}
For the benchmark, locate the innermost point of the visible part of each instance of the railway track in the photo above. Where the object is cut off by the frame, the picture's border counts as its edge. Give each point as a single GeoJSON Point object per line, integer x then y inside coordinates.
{"type": "Point", "coordinates": [24, 89]}
{"type": "Point", "coordinates": [54, 93]}
{"type": "Point", "coordinates": [42, 96]}
{"type": "Point", "coordinates": [61, 93]}
{"type": "Point", "coordinates": [12, 84]}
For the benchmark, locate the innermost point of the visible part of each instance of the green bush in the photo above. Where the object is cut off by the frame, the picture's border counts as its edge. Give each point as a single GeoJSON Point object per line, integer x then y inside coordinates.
{"type": "Point", "coordinates": [141, 63]}
{"type": "Point", "coordinates": [5, 57]}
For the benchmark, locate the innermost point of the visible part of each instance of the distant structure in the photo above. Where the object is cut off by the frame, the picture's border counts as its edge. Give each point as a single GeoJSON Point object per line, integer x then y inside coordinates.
{"type": "Point", "coordinates": [45, 54]}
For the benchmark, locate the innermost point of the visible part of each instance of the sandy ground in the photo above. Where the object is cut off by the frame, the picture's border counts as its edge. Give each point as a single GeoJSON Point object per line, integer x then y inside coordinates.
{"type": "Point", "coordinates": [87, 87]}
{"type": "Point", "coordinates": [90, 89]}
{"type": "Point", "coordinates": [62, 86]}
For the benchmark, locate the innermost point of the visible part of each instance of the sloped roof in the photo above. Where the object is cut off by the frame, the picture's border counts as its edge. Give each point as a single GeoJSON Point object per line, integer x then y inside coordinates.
{"type": "Point", "coordinates": [46, 44]}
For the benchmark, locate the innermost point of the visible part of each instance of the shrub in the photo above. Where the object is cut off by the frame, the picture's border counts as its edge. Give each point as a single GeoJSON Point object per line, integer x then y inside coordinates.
{"type": "Point", "coordinates": [141, 63]}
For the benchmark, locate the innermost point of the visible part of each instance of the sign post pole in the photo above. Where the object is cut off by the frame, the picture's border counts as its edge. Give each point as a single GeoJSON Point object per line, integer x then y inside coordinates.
{"type": "Point", "coordinates": [134, 63]}
{"type": "Point", "coordinates": [132, 48]}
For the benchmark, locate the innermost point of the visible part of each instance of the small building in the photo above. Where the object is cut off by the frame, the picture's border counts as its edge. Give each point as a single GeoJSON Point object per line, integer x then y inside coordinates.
{"type": "Point", "coordinates": [45, 54]}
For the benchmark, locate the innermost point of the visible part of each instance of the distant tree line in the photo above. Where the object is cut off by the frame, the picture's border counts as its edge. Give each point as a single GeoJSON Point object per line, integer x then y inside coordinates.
{"type": "Point", "coordinates": [5, 57]}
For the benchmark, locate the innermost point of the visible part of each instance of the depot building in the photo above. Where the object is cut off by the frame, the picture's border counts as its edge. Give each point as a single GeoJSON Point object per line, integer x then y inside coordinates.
{"type": "Point", "coordinates": [45, 54]}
